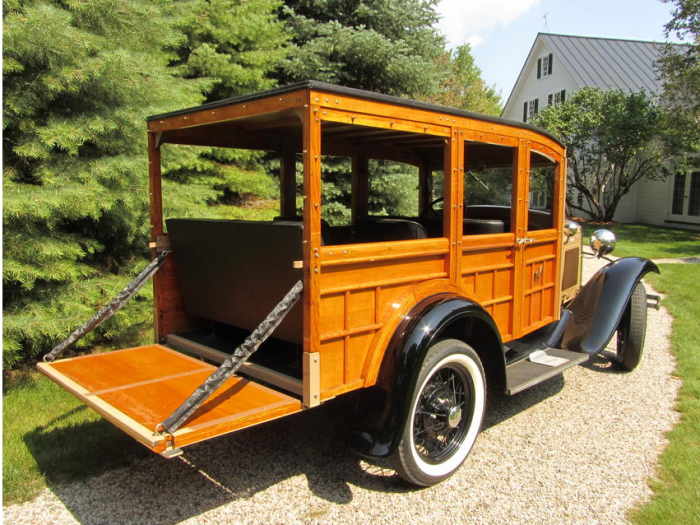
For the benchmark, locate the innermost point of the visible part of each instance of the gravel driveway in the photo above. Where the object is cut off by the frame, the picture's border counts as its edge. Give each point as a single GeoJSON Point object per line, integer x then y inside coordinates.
{"type": "Point", "coordinates": [578, 448]}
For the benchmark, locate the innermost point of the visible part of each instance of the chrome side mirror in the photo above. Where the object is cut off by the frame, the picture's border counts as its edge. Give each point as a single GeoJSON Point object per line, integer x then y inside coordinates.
{"type": "Point", "coordinates": [602, 242]}
{"type": "Point", "coordinates": [571, 229]}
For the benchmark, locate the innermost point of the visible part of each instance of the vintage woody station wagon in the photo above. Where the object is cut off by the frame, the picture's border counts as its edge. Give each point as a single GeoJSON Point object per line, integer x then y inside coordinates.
{"type": "Point", "coordinates": [478, 286]}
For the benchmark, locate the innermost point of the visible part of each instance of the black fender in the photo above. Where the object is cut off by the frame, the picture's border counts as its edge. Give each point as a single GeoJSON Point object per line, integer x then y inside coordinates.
{"type": "Point", "coordinates": [598, 308]}
{"type": "Point", "coordinates": [383, 408]}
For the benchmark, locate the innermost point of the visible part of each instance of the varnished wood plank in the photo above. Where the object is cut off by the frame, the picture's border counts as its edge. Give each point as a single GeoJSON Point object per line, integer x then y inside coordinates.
{"type": "Point", "coordinates": [312, 227]}
{"type": "Point", "coordinates": [116, 417]}
{"type": "Point", "coordinates": [137, 388]}
{"type": "Point", "coordinates": [295, 99]}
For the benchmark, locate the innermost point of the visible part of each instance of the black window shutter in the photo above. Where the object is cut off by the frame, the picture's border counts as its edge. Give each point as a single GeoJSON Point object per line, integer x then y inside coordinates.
{"type": "Point", "coordinates": [549, 68]}
{"type": "Point", "coordinates": [537, 105]}
{"type": "Point", "coordinates": [563, 96]}
{"type": "Point", "coordinates": [525, 112]}
{"type": "Point", "coordinates": [550, 99]}
{"type": "Point", "coordinates": [539, 68]}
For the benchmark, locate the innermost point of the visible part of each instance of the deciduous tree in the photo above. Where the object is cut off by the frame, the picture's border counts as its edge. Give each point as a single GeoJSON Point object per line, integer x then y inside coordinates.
{"type": "Point", "coordinates": [679, 68]}
{"type": "Point", "coordinates": [612, 140]}
{"type": "Point", "coordinates": [463, 87]}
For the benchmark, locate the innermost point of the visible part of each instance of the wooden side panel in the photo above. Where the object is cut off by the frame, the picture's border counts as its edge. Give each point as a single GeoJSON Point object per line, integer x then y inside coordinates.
{"type": "Point", "coordinates": [137, 388]}
{"type": "Point", "coordinates": [541, 262]}
{"type": "Point", "coordinates": [360, 292]}
{"type": "Point", "coordinates": [539, 283]}
{"type": "Point", "coordinates": [171, 316]}
{"type": "Point", "coordinates": [488, 275]}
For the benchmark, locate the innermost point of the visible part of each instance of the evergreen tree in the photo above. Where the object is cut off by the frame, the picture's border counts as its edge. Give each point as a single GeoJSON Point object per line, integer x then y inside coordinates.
{"type": "Point", "coordinates": [236, 43]}
{"type": "Point", "coordinates": [79, 79]}
{"type": "Point", "coordinates": [385, 46]}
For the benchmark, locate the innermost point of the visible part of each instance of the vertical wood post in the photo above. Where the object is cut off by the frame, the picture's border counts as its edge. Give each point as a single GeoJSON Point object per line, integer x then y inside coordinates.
{"type": "Point", "coordinates": [451, 210]}
{"type": "Point", "coordinates": [288, 174]}
{"type": "Point", "coordinates": [519, 212]}
{"type": "Point", "coordinates": [312, 226]}
{"type": "Point", "coordinates": [360, 186]}
{"type": "Point", "coordinates": [154, 185]}
{"type": "Point", "coordinates": [156, 200]}
{"type": "Point", "coordinates": [558, 212]}
{"type": "Point", "coordinates": [425, 187]}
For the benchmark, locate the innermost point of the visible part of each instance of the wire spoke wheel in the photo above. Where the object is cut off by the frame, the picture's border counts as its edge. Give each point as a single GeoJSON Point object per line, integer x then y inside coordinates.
{"type": "Point", "coordinates": [439, 424]}
{"type": "Point", "coordinates": [446, 414]}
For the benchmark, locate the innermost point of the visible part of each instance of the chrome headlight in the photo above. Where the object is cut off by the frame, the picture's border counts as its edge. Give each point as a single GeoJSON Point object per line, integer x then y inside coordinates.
{"type": "Point", "coordinates": [602, 242]}
{"type": "Point", "coordinates": [571, 229]}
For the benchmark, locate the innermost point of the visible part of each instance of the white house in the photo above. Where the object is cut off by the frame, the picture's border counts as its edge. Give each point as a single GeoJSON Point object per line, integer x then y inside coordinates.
{"type": "Point", "coordinates": [558, 65]}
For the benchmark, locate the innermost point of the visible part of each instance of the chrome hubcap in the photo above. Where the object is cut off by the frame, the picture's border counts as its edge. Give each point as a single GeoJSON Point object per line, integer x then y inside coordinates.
{"type": "Point", "coordinates": [454, 416]}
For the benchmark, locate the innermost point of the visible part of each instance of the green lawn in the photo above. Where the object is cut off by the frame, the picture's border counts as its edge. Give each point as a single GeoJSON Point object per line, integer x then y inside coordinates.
{"type": "Point", "coordinates": [45, 429]}
{"type": "Point", "coordinates": [677, 488]}
{"type": "Point", "coordinates": [648, 241]}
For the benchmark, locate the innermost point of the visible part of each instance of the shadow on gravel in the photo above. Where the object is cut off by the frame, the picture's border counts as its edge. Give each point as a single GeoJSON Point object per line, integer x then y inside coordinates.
{"type": "Point", "coordinates": [604, 362]}
{"type": "Point", "coordinates": [240, 465]}
{"type": "Point", "coordinates": [501, 407]}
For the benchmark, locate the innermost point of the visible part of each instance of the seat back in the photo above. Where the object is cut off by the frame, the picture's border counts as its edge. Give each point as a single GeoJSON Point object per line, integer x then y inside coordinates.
{"type": "Point", "coordinates": [373, 229]}
{"type": "Point", "coordinates": [235, 272]}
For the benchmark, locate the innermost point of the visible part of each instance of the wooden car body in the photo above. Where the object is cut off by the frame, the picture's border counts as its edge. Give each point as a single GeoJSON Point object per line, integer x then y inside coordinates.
{"type": "Point", "coordinates": [378, 290]}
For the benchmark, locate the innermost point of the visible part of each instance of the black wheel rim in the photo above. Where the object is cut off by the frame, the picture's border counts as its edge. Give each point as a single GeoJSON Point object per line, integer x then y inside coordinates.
{"type": "Point", "coordinates": [443, 414]}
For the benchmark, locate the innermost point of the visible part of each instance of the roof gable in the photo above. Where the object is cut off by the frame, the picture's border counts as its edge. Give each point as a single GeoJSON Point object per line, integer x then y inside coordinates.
{"type": "Point", "coordinates": [608, 63]}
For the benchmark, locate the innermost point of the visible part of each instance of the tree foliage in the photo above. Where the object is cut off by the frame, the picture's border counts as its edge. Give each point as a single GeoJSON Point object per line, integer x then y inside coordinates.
{"type": "Point", "coordinates": [463, 87]}
{"type": "Point", "coordinates": [386, 46]}
{"type": "Point", "coordinates": [612, 140]}
{"type": "Point", "coordinates": [679, 68]}
{"type": "Point", "coordinates": [237, 44]}
{"type": "Point", "coordinates": [80, 78]}
{"type": "Point", "coordinates": [79, 81]}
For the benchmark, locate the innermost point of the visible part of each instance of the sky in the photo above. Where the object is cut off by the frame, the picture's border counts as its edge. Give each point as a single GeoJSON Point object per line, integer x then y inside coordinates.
{"type": "Point", "coordinates": [501, 32]}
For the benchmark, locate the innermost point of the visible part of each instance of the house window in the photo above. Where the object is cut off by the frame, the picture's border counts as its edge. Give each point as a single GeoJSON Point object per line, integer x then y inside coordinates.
{"type": "Point", "coordinates": [556, 98]}
{"type": "Point", "coordinates": [530, 109]}
{"type": "Point", "coordinates": [544, 66]}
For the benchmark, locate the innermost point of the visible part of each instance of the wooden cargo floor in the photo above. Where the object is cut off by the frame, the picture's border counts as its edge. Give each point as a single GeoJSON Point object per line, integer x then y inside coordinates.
{"type": "Point", "coordinates": [137, 388]}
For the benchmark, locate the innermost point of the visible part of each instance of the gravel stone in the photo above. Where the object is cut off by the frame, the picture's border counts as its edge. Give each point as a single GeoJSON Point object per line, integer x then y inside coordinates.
{"type": "Point", "coordinates": [578, 448]}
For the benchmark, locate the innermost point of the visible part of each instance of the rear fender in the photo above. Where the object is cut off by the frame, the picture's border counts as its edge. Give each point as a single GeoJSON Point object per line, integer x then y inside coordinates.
{"type": "Point", "coordinates": [598, 308]}
{"type": "Point", "coordinates": [384, 407]}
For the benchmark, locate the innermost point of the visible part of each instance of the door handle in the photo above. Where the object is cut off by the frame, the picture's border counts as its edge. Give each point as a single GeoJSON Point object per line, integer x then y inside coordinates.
{"type": "Point", "coordinates": [525, 240]}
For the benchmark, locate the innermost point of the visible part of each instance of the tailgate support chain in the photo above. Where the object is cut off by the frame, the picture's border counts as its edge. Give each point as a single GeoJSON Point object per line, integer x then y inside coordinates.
{"type": "Point", "coordinates": [232, 363]}
{"type": "Point", "coordinates": [111, 308]}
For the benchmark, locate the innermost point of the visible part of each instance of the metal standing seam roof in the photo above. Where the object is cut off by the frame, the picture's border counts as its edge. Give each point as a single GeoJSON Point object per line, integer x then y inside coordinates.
{"type": "Point", "coordinates": [608, 63]}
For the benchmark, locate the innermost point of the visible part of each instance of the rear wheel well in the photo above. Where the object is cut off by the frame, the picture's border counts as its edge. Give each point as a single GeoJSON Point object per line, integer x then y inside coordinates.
{"type": "Point", "coordinates": [478, 334]}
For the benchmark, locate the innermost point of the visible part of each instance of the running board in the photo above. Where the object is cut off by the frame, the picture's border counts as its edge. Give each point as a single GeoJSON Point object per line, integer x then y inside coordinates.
{"type": "Point", "coordinates": [525, 373]}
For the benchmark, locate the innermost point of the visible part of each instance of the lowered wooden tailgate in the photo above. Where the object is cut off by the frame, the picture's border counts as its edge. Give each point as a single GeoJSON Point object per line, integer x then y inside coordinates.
{"type": "Point", "coordinates": [137, 388]}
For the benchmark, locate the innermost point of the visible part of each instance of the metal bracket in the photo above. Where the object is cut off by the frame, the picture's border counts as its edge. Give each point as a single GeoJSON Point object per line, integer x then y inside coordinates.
{"type": "Point", "coordinates": [653, 301]}
{"type": "Point", "coordinates": [312, 379]}
{"type": "Point", "coordinates": [171, 453]}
